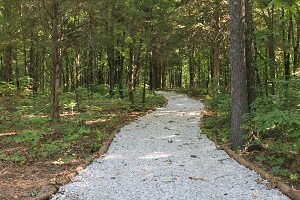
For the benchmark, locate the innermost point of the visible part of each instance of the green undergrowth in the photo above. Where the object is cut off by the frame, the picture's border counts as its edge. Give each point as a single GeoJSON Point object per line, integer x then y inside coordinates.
{"type": "Point", "coordinates": [28, 134]}
{"type": "Point", "coordinates": [275, 123]}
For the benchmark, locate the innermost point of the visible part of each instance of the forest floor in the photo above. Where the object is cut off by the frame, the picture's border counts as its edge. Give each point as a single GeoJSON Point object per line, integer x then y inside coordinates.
{"type": "Point", "coordinates": [28, 169]}
{"type": "Point", "coordinates": [250, 156]}
{"type": "Point", "coordinates": [40, 178]}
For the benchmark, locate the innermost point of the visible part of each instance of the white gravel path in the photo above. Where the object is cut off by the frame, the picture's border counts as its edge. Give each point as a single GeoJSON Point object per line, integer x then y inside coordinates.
{"type": "Point", "coordinates": [163, 155]}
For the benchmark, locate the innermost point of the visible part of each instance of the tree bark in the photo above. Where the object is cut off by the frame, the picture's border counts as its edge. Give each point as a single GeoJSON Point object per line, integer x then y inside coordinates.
{"type": "Point", "coordinates": [216, 52]}
{"type": "Point", "coordinates": [287, 71]}
{"type": "Point", "coordinates": [192, 68]}
{"type": "Point", "coordinates": [271, 49]}
{"type": "Point", "coordinates": [8, 48]}
{"type": "Point", "coordinates": [111, 60]}
{"type": "Point", "coordinates": [296, 45]}
{"type": "Point", "coordinates": [239, 96]}
{"type": "Point", "coordinates": [8, 67]}
{"type": "Point", "coordinates": [250, 52]}
{"type": "Point", "coordinates": [55, 62]}
{"type": "Point", "coordinates": [130, 74]}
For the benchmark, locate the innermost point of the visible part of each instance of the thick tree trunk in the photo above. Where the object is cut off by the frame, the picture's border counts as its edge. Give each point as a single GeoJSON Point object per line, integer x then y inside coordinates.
{"type": "Point", "coordinates": [55, 62]}
{"type": "Point", "coordinates": [8, 66]}
{"type": "Point", "coordinates": [239, 95]}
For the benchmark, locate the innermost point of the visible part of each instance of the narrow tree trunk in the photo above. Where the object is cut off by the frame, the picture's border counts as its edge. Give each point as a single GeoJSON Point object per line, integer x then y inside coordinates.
{"type": "Point", "coordinates": [8, 48]}
{"type": "Point", "coordinates": [250, 52]}
{"type": "Point", "coordinates": [271, 49]}
{"type": "Point", "coordinates": [130, 74]}
{"type": "Point", "coordinates": [151, 69]}
{"type": "Point", "coordinates": [120, 69]}
{"type": "Point", "coordinates": [287, 71]}
{"type": "Point", "coordinates": [137, 71]}
{"type": "Point", "coordinates": [164, 76]}
{"type": "Point", "coordinates": [239, 95]}
{"type": "Point", "coordinates": [32, 70]}
{"type": "Point", "coordinates": [111, 60]}
{"type": "Point", "coordinates": [77, 68]}
{"type": "Point", "coordinates": [216, 56]}
{"type": "Point", "coordinates": [296, 45]}
{"type": "Point", "coordinates": [192, 68]}
{"type": "Point", "coordinates": [111, 65]}
{"type": "Point", "coordinates": [68, 72]}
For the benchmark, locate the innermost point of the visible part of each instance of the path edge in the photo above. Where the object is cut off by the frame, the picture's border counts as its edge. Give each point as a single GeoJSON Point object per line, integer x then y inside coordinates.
{"type": "Point", "coordinates": [275, 181]}
{"type": "Point", "coordinates": [51, 189]}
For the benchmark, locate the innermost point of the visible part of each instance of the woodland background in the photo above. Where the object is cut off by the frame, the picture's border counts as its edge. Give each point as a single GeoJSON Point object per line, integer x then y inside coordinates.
{"type": "Point", "coordinates": [71, 67]}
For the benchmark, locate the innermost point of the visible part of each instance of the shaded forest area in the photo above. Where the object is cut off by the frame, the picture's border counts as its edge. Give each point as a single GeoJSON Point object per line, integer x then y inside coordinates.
{"type": "Point", "coordinates": [71, 71]}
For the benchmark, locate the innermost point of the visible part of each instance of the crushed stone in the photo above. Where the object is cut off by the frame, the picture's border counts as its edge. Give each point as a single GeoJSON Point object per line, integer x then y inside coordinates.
{"type": "Point", "coordinates": [163, 155]}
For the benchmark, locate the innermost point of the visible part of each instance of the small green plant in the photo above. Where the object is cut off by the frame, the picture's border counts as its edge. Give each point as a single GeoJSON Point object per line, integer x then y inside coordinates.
{"type": "Point", "coordinates": [35, 136]}
{"type": "Point", "coordinates": [218, 127]}
{"type": "Point", "coordinates": [2, 155]}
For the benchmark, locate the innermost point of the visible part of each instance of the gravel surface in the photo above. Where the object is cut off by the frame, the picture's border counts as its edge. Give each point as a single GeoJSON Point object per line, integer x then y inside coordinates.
{"type": "Point", "coordinates": [163, 155]}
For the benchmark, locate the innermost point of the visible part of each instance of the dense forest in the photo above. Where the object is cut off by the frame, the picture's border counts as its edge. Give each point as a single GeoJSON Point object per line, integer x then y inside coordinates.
{"type": "Point", "coordinates": [58, 58]}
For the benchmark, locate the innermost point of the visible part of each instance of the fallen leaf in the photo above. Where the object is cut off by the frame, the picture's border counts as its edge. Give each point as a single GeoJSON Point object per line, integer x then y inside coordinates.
{"type": "Point", "coordinates": [168, 181]}
{"type": "Point", "coordinates": [197, 179]}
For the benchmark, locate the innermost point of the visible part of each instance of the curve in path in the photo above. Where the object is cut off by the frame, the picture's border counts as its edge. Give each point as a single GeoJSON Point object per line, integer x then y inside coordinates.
{"type": "Point", "coordinates": [163, 155]}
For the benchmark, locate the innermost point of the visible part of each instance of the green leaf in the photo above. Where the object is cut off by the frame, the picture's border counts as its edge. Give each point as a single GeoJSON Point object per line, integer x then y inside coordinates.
{"type": "Point", "coordinates": [276, 169]}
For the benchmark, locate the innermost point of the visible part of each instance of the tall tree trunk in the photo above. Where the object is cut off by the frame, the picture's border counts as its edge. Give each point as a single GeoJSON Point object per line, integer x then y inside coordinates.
{"type": "Point", "coordinates": [271, 49]}
{"type": "Point", "coordinates": [130, 74]}
{"type": "Point", "coordinates": [296, 44]}
{"type": "Point", "coordinates": [192, 68]}
{"type": "Point", "coordinates": [151, 68]}
{"type": "Point", "coordinates": [8, 65]}
{"type": "Point", "coordinates": [216, 56]}
{"type": "Point", "coordinates": [287, 71]}
{"type": "Point", "coordinates": [239, 96]}
{"type": "Point", "coordinates": [250, 52]}
{"type": "Point", "coordinates": [55, 62]}
{"type": "Point", "coordinates": [120, 69]}
{"type": "Point", "coordinates": [101, 79]}
{"type": "Point", "coordinates": [111, 60]}
{"type": "Point", "coordinates": [137, 71]}
{"type": "Point", "coordinates": [67, 72]}
{"type": "Point", "coordinates": [77, 68]}
{"type": "Point", "coordinates": [8, 48]}
{"type": "Point", "coordinates": [33, 62]}
{"type": "Point", "coordinates": [163, 76]}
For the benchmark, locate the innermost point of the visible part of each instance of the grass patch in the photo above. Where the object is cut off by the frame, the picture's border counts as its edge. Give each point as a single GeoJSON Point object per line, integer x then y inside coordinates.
{"type": "Point", "coordinates": [29, 135]}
